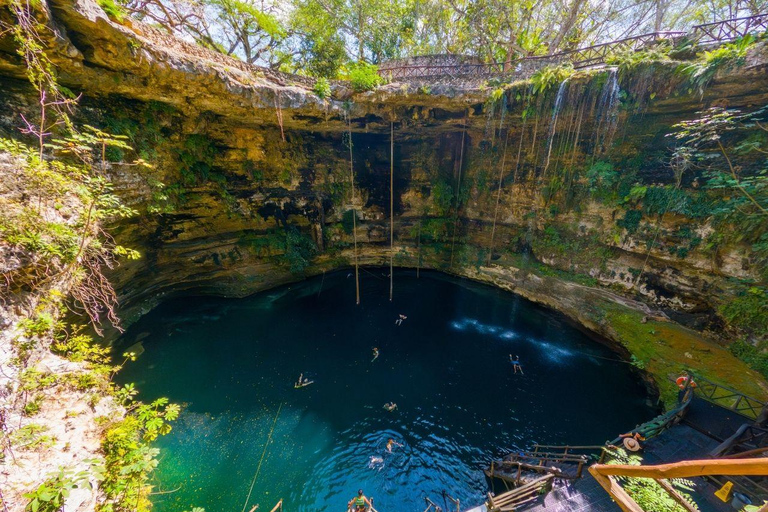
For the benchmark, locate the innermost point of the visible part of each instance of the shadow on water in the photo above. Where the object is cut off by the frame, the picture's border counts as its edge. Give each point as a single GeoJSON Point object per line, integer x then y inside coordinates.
{"type": "Point", "coordinates": [232, 362]}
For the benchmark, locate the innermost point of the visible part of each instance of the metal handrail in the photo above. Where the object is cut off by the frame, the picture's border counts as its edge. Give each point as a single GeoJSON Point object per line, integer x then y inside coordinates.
{"type": "Point", "coordinates": [724, 397]}
{"type": "Point", "coordinates": [727, 30]}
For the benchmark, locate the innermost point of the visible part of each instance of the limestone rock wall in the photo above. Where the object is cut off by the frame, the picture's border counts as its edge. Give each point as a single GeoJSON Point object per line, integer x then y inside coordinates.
{"type": "Point", "coordinates": [244, 156]}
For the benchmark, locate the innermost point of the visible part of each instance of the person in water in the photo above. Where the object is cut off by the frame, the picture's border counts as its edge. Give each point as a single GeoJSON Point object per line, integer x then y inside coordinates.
{"type": "Point", "coordinates": [399, 321]}
{"type": "Point", "coordinates": [391, 406]}
{"type": "Point", "coordinates": [375, 354]}
{"type": "Point", "coordinates": [391, 443]}
{"type": "Point", "coordinates": [359, 503]}
{"type": "Point", "coordinates": [516, 364]}
{"type": "Point", "coordinates": [302, 382]}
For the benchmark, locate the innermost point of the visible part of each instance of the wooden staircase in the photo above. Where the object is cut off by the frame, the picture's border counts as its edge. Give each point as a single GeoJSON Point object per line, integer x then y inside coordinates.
{"type": "Point", "coordinates": [560, 461]}
{"type": "Point", "coordinates": [516, 498]}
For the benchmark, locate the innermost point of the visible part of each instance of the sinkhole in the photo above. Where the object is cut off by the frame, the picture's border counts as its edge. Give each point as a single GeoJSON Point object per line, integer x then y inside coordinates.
{"type": "Point", "coordinates": [232, 364]}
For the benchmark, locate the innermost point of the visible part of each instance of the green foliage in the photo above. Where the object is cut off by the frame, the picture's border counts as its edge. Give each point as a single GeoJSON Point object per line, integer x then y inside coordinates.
{"type": "Point", "coordinates": [299, 250]}
{"type": "Point", "coordinates": [347, 221]}
{"type": "Point", "coordinates": [197, 156]}
{"type": "Point", "coordinates": [630, 221]}
{"type": "Point", "coordinates": [700, 73]}
{"type": "Point", "coordinates": [646, 492]}
{"type": "Point", "coordinates": [754, 357]}
{"type": "Point", "coordinates": [288, 247]}
{"type": "Point", "coordinates": [129, 460]}
{"type": "Point", "coordinates": [748, 310]}
{"type": "Point", "coordinates": [546, 78]}
{"type": "Point", "coordinates": [442, 196]}
{"type": "Point", "coordinates": [554, 242]}
{"type": "Point", "coordinates": [324, 54]}
{"type": "Point", "coordinates": [146, 130]}
{"type": "Point", "coordinates": [322, 88]}
{"type": "Point", "coordinates": [632, 59]}
{"type": "Point", "coordinates": [51, 494]}
{"type": "Point", "coordinates": [32, 437]}
{"type": "Point", "coordinates": [735, 192]}
{"type": "Point", "coordinates": [364, 77]}
{"type": "Point", "coordinates": [113, 9]}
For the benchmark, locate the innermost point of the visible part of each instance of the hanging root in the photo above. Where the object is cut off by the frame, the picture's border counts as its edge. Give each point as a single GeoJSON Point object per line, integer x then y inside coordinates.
{"type": "Point", "coordinates": [279, 112]}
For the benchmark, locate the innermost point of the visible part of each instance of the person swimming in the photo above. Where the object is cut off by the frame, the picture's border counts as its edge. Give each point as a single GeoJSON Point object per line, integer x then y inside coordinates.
{"type": "Point", "coordinates": [376, 462]}
{"type": "Point", "coordinates": [399, 321]}
{"type": "Point", "coordinates": [375, 354]}
{"type": "Point", "coordinates": [359, 503]}
{"type": "Point", "coordinates": [391, 444]}
{"type": "Point", "coordinates": [302, 382]}
{"type": "Point", "coordinates": [390, 406]}
{"type": "Point", "coordinates": [516, 364]}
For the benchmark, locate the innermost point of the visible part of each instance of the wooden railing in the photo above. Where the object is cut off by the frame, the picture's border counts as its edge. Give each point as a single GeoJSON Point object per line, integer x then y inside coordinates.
{"type": "Point", "coordinates": [721, 31]}
{"type": "Point", "coordinates": [606, 474]}
{"type": "Point", "coordinates": [728, 30]}
{"type": "Point", "coordinates": [728, 398]}
{"type": "Point", "coordinates": [587, 450]}
{"type": "Point", "coordinates": [513, 499]}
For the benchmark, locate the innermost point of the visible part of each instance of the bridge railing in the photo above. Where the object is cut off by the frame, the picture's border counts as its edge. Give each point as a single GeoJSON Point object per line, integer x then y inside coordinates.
{"type": "Point", "coordinates": [728, 30]}
{"type": "Point", "coordinates": [728, 398]}
{"type": "Point", "coordinates": [721, 31]}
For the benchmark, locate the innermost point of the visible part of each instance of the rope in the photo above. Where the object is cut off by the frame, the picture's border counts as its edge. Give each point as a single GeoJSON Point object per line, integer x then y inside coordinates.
{"type": "Point", "coordinates": [263, 454]}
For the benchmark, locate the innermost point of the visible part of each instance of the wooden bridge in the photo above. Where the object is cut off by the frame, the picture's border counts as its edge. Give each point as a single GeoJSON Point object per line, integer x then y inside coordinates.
{"type": "Point", "coordinates": [705, 34]}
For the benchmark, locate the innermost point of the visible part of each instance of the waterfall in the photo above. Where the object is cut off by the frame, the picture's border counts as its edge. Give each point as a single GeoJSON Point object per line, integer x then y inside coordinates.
{"type": "Point", "coordinates": [607, 113]}
{"type": "Point", "coordinates": [553, 124]}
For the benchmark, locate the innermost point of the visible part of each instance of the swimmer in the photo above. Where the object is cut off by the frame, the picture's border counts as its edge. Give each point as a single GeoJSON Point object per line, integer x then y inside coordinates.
{"type": "Point", "coordinates": [375, 462]}
{"type": "Point", "coordinates": [302, 382]}
{"type": "Point", "coordinates": [375, 354]}
{"type": "Point", "coordinates": [359, 503]}
{"type": "Point", "coordinates": [391, 406]}
{"type": "Point", "coordinates": [391, 443]}
{"type": "Point", "coordinates": [516, 364]}
{"type": "Point", "coordinates": [399, 321]}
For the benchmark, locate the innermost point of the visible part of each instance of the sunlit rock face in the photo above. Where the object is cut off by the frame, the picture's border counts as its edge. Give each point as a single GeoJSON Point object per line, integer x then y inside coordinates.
{"type": "Point", "coordinates": [251, 185]}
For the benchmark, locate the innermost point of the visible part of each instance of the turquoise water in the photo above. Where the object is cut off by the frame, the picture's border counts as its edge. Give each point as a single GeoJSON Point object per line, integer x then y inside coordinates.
{"type": "Point", "coordinates": [232, 364]}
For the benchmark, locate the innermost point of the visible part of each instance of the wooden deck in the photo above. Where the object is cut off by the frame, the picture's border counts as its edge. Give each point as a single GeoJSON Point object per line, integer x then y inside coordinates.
{"type": "Point", "coordinates": [680, 442]}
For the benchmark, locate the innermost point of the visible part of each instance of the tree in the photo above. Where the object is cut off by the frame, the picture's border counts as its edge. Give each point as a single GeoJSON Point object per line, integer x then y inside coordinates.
{"type": "Point", "coordinates": [245, 29]}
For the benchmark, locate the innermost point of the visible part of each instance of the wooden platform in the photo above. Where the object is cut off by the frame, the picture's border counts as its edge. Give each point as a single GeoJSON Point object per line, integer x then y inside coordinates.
{"type": "Point", "coordinates": [680, 442]}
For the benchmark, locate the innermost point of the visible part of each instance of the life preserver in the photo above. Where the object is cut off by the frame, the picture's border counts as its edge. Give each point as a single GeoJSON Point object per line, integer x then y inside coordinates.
{"type": "Point", "coordinates": [683, 380]}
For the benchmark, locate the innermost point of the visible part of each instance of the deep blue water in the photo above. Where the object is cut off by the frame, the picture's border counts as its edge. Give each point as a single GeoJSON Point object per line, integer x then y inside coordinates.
{"type": "Point", "coordinates": [232, 364]}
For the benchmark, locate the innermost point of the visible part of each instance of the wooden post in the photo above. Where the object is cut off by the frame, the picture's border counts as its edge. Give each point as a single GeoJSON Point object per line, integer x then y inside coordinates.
{"type": "Point", "coordinates": [619, 495]}
{"type": "Point", "coordinates": [519, 471]}
{"type": "Point", "coordinates": [491, 506]}
{"type": "Point", "coordinates": [676, 496]}
{"type": "Point", "coordinates": [687, 469]}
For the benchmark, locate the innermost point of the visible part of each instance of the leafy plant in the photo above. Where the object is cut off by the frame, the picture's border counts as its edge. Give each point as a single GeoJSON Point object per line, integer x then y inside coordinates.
{"type": "Point", "coordinates": [32, 437]}
{"type": "Point", "coordinates": [113, 9]}
{"type": "Point", "coordinates": [701, 72]}
{"type": "Point", "coordinates": [646, 492]}
{"type": "Point", "coordinates": [632, 59]}
{"type": "Point", "coordinates": [364, 77]}
{"type": "Point", "coordinates": [322, 88]}
{"type": "Point", "coordinates": [546, 78]}
{"type": "Point", "coordinates": [51, 494]}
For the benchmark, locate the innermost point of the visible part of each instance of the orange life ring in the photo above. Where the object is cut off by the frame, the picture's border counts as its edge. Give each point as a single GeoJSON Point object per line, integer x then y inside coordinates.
{"type": "Point", "coordinates": [682, 380]}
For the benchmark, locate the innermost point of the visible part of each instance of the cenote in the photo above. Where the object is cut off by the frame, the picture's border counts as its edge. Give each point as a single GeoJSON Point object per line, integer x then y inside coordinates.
{"type": "Point", "coordinates": [232, 364]}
